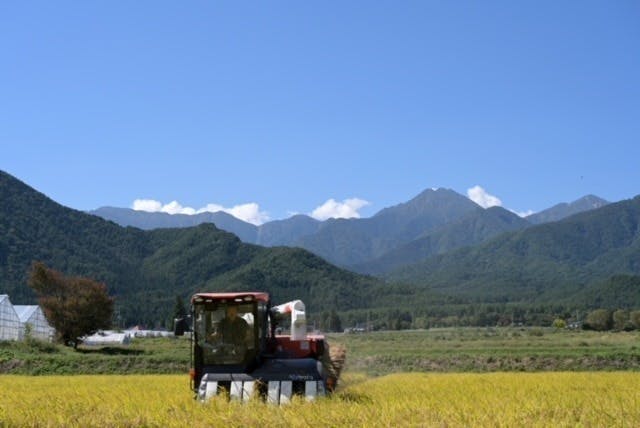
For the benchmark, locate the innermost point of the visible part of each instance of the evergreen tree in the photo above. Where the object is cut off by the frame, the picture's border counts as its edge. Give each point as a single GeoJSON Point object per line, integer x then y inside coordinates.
{"type": "Point", "coordinates": [179, 320]}
{"type": "Point", "coordinates": [335, 323]}
{"type": "Point", "coordinates": [179, 310]}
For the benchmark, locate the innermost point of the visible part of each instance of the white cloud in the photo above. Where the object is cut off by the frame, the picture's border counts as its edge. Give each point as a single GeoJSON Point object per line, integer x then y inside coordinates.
{"type": "Point", "coordinates": [211, 208]}
{"type": "Point", "coordinates": [523, 213]}
{"type": "Point", "coordinates": [480, 196]}
{"type": "Point", "coordinates": [348, 208]}
{"type": "Point", "coordinates": [146, 205]}
{"type": "Point", "coordinates": [174, 207]}
{"type": "Point", "coordinates": [249, 212]}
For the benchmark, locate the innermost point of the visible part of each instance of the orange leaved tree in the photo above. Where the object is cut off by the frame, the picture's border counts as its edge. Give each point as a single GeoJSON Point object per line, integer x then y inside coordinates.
{"type": "Point", "coordinates": [74, 306]}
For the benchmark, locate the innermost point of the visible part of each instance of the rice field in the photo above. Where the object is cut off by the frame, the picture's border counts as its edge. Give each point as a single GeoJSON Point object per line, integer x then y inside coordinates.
{"type": "Point", "coordinates": [543, 399]}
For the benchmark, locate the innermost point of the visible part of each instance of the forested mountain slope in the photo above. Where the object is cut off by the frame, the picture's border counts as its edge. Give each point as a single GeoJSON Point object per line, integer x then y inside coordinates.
{"type": "Point", "coordinates": [474, 228]}
{"type": "Point", "coordinates": [145, 270]}
{"type": "Point", "coordinates": [540, 262]}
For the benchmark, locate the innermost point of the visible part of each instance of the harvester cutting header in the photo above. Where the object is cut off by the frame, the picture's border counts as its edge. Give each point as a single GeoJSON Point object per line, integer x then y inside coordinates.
{"type": "Point", "coordinates": [235, 348]}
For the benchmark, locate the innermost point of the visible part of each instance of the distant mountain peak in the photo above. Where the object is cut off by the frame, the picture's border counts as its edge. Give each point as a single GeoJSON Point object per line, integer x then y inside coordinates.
{"type": "Point", "coordinates": [427, 199]}
{"type": "Point", "coordinates": [563, 210]}
{"type": "Point", "coordinates": [350, 242]}
{"type": "Point", "coordinates": [592, 200]}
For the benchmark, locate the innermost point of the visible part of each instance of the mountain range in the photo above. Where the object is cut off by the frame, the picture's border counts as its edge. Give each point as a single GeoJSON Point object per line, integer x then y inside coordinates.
{"type": "Point", "coordinates": [437, 256]}
{"type": "Point", "coordinates": [433, 222]}
{"type": "Point", "coordinates": [146, 270]}
{"type": "Point", "coordinates": [543, 262]}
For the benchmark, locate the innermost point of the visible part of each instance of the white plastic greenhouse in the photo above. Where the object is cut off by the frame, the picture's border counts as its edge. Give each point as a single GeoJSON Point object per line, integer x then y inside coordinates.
{"type": "Point", "coordinates": [14, 321]}
{"type": "Point", "coordinates": [10, 326]}
{"type": "Point", "coordinates": [104, 338]}
{"type": "Point", "coordinates": [33, 315]}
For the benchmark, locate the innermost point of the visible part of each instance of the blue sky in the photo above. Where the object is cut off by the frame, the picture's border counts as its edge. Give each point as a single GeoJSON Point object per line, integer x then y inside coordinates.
{"type": "Point", "coordinates": [279, 107]}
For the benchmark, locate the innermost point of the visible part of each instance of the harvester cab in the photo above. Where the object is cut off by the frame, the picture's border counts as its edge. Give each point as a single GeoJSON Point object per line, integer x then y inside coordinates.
{"type": "Point", "coordinates": [236, 351]}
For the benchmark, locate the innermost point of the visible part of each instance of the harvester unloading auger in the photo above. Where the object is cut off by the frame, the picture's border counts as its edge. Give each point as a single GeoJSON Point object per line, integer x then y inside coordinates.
{"type": "Point", "coordinates": [235, 349]}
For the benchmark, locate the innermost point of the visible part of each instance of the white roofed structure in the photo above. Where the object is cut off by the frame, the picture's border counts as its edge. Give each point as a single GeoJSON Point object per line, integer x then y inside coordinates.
{"type": "Point", "coordinates": [104, 338]}
{"type": "Point", "coordinates": [10, 326]}
{"type": "Point", "coordinates": [33, 315]}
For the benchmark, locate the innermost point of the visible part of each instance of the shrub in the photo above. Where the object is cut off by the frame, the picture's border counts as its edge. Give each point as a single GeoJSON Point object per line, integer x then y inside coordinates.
{"type": "Point", "coordinates": [620, 319]}
{"type": "Point", "coordinates": [634, 319]}
{"type": "Point", "coordinates": [599, 320]}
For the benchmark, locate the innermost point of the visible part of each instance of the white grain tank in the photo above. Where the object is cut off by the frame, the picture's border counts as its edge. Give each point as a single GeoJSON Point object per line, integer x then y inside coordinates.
{"type": "Point", "coordinates": [298, 318]}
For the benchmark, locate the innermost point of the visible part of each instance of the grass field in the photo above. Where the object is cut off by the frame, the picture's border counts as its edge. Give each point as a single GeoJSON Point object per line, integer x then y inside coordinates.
{"type": "Point", "coordinates": [440, 377]}
{"type": "Point", "coordinates": [376, 353]}
{"type": "Point", "coordinates": [459, 399]}
{"type": "Point", "coordinates": [490, 349]}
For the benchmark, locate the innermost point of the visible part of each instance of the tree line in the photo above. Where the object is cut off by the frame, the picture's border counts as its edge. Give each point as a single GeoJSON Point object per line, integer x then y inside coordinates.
{"type": "Point", "coordinates": [78, 306]}
{"type": "Point", "coordinates": [606, 319]}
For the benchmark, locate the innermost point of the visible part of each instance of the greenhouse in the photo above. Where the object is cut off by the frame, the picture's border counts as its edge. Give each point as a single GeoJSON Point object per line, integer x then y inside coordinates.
{"type": "Point", "coordinates": [103, 338]}
{"type": "Point", "coordinates": [33, 316]}
{"type": "Point", "coordinates": [10, 326]}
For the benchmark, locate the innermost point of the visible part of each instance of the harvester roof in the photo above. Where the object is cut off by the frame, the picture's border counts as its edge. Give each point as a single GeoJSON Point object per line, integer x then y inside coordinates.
{"type": "Point", "coordinates": [232, 296]}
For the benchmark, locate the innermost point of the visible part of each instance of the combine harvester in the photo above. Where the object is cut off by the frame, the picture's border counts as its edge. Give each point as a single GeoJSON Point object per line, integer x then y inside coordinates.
{"type": "Point", "coordinates": [235, 349]}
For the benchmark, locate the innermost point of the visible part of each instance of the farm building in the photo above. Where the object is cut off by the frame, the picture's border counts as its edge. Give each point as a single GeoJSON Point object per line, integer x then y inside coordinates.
{"type": "Point", "coordinates": [103, 338]}
{"type": "Point", "coordinates": [33, 315]}
{"type": "Point", "coordinates": [138, 331]}
{"type": "Point", "coordinates": [10, 326]}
